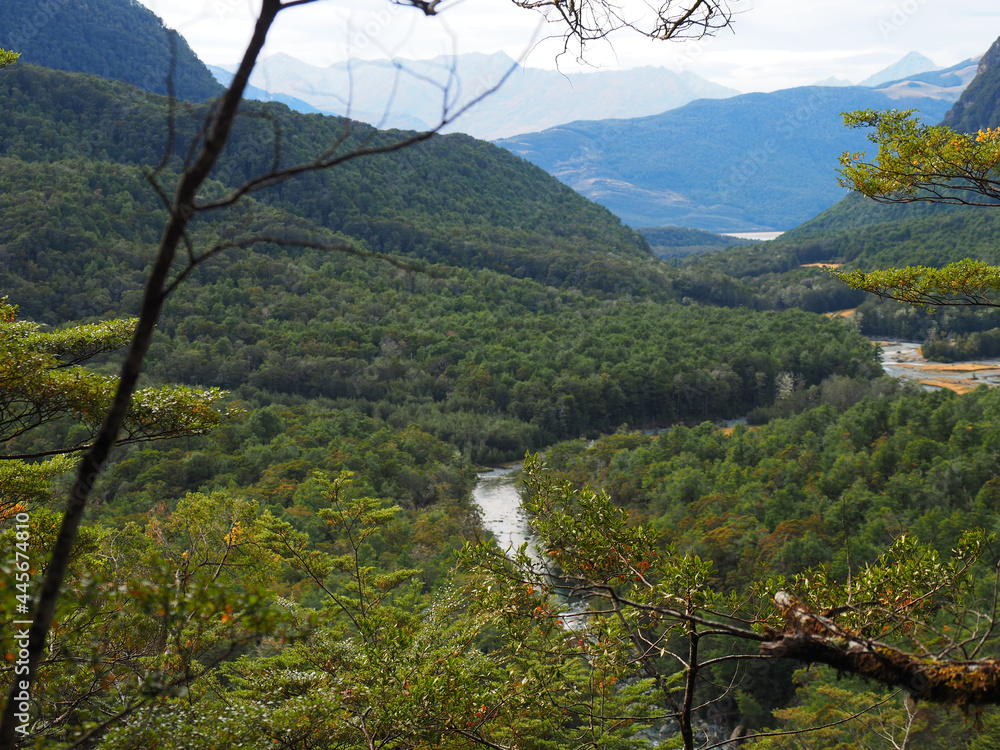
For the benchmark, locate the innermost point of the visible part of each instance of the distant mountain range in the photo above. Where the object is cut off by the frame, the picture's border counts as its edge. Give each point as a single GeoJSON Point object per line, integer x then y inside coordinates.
{"type": "Point", "coordinates": [252, 92]}
{"type": "Point", "coordinates": [409, 94]}
{"type": "Point", "coordinates": [906, 67]}
{"type": "Point", "coordinates": [746, 163]}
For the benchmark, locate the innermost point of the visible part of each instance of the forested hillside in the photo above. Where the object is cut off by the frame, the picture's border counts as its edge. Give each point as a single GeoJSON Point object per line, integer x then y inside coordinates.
{"type": "Point", "coordinates": [116, 39]}
{"type": "Point", "coordinates": [979, 105]}
{"type": "Point", "coordinates": [452, 200]}
{"type": "Point", "coordinates": [299, 564]}
{"type": "Point", "coordinates": [443, 347]}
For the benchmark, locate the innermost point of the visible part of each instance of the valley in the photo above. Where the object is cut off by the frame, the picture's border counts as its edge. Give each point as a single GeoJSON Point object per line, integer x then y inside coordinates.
{"type": "Point", "coordinates": [296, 538]}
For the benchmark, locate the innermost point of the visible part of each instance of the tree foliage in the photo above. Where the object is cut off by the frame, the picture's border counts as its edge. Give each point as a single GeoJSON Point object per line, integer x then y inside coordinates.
{"type": "Point", "coordinates": [43, 382]}
{"type": "Point", "coordinates": [967, 282]}
{"type": "Point", "coordinates": [917, 162]}
{"type": "Point", "coordinates": [935, 164]}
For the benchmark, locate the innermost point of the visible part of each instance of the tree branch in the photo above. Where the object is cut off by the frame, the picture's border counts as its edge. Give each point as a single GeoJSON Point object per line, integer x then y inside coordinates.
{"type": "Point", "coordinates": [812, 638]}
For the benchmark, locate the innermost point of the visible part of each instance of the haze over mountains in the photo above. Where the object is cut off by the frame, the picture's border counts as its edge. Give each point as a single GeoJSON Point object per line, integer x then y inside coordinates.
{"type": "Point", "coordinates": [910, 65]}
{"type": "Point", "coordinates": [640, 146]}
{"type": "Point", "coordinates": [410, 94]}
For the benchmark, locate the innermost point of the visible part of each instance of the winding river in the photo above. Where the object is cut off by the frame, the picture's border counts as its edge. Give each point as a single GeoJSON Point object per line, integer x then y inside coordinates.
{"type": "Point", "coordinates": [496, 492]}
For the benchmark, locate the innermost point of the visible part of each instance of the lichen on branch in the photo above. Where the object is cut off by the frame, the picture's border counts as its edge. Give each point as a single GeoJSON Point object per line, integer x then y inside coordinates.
{"type": "Point", "coordinates": [813, 638]}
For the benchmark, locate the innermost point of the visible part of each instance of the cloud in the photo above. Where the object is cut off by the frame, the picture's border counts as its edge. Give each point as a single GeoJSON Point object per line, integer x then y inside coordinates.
{"type": "Point", "coordinates": [773, 44]}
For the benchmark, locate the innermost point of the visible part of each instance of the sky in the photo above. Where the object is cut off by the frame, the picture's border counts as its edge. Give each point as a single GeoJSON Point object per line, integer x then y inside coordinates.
{"type": "Point", "coordinates": [772, 44]}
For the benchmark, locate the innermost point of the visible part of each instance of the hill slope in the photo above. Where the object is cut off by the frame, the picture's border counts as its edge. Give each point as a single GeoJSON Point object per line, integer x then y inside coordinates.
{"type": "Point", "coordinates": [979, 105]}
{"type": "Point", "coordinates": [116, 39]}
{"type": "Point", "coordinates": [484, 350]}
{"type": "Point", "coordinates": [752, 162]}
{"type": "Point", "coordinates": [450, 200]}
{"type": "Point", "coordinates": [909, 65]}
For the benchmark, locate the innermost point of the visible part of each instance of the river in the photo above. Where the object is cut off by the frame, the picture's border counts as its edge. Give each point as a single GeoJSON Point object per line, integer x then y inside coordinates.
{"type": "Point", "coordinates": [903, 361]}
{"type": "Point", "coordinates": [496, 491]}
{"type": "Point", "coordinates": [496, 494]}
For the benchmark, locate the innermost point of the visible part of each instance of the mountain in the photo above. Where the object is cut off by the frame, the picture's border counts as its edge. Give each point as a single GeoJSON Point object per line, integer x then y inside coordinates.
{"type": "Point", "coordinates": [748, 163]}
{"type": "Point", "coordinates": [833, 81]}
{"type": "Point", "coordinates": [116, 39]}
{"type": "Point", "coordinates": [908, 66]}
{"type": "Point", "coordinates": [409, 93]}
{"type": "Point", "coordinates": [224, 77]}
{"type": "Point", "coordinates": [946, 84]}
{"type": "Point", "coordinates": [979, 106]}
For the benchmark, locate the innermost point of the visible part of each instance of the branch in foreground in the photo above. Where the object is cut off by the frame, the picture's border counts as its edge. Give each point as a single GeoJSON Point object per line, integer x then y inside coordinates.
{"type": "Point", "coordinates": [582, 22]}
{"type": "Point", "coordinates": [967, 282]}
{"type": "Point", "coordinates": [916, 162]}
{"type": "Point", "coordinates": [810, 637]}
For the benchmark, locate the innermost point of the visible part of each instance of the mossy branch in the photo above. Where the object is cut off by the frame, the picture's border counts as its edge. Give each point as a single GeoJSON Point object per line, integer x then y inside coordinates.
{"type": "Point", "coordinates": [813, 638]}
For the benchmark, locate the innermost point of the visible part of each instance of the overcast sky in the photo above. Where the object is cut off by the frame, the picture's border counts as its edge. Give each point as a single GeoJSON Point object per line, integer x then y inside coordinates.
{"type": "Point", "coordinates": [773, 44]}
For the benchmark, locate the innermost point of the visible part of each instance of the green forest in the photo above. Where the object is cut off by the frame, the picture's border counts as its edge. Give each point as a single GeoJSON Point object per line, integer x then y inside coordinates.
{"type": "Point", "coordinates": [283, 550]}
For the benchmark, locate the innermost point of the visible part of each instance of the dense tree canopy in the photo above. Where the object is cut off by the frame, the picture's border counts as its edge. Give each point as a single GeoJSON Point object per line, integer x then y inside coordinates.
{"type": "Point", "coordinates": [116, 39]}
{"type": "Point", "coordinates": [44, 382]}
{"type": "Point", "coordinates": [828, 507]}
{"type": "Point", "coordinates": [581, 22]}
{"type": "Point", "coordinates": [287, 579]}
{"type": "Point", "coordinates": [933, 164]}
{"type": "Point", "coordinates": [917, 162]}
